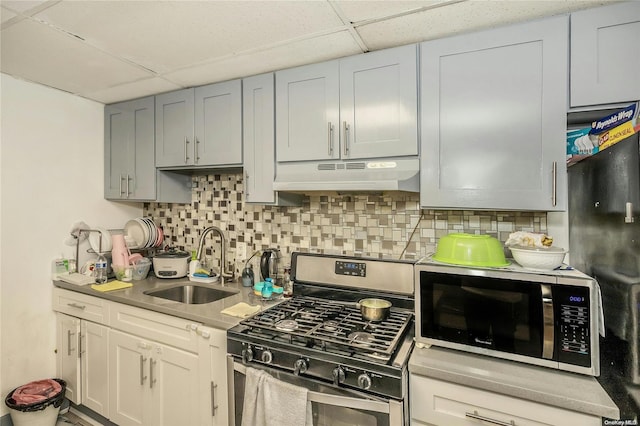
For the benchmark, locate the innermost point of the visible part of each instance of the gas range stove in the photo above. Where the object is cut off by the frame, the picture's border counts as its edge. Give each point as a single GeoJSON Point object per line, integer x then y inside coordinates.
{"type": "Point", "coordinates": [320, 334]}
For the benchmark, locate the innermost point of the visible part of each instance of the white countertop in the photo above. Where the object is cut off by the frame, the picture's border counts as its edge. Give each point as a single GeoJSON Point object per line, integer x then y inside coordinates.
{"type": "Point", "coordinates": [570, 391]}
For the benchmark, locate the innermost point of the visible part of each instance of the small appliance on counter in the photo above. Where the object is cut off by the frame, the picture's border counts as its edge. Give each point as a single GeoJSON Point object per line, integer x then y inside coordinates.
{"type": "Point", "coordinates": [171, 263]}
{"type": "Point", "coordinates": [270, 264]}
{"type": "Point", "coordinates": [546, 318]}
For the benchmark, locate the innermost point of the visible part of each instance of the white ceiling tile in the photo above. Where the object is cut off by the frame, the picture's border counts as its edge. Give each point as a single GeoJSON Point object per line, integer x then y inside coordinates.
{"type": "Point", "coordinates": [133, 90]}
{"type": "Point", "coordinates": [285, 56]}
{"type": "Point", "coordinates": [6, 14]}
{"type": "Point", "coordinates": [358, 11]}
{"type": "Point", "coordinates": [164, 36]}
{"type": "Point", "coordinates": [24, 6]}
{"type": "Point", "coordinates": [39, 53]}
{"type": "Point", "coordinates": [460, 17]}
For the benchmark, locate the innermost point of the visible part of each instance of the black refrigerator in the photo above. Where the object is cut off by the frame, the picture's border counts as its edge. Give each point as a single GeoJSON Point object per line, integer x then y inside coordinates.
{"type": "Point", "coordinates": [604, 242]}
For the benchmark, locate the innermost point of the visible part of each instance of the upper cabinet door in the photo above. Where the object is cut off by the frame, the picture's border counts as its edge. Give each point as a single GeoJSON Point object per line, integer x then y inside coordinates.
{"type": "Point", "coordinates": [379, 104]}
{"type": "Point", "coordinates": [174, 128]}
{"type": "Point", "coordinates": [494, 118]}
{"type": "Point", "coordinates": [259, 138]}
{"type": "Point", "coordinates": [605, 54]}
{"type": "Point", "coordinates": [218, 124]}
{"type": "Point", "coordinates": [307, 119]}
{"type": "Point", "coordinates": [130, 171]}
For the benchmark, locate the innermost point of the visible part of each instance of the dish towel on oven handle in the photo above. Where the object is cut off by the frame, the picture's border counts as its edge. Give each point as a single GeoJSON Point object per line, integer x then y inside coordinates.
{"type": "Point", "coordinates": [269, 401]}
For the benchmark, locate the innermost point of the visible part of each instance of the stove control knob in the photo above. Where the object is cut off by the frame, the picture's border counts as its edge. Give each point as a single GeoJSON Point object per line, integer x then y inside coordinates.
{"type": "Point", "coordinates": [338, 375]}
{"type": "Point", "coordinates": [364, 381]}
{"type": "Point", "coordinates": [300, 367]}
{"type": "Point", "coordinates": [266, 357]}
{"type": "Point", "coordinates": [247, 355]}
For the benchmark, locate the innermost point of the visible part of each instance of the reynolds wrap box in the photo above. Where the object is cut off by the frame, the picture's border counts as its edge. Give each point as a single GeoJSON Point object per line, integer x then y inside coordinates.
{"type": "Point", "coordinates": [609, 130]}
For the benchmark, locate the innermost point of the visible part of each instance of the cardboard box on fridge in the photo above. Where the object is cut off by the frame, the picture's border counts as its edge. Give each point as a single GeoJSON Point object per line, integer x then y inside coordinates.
{"type": "Point", "coordinates": [603, 133]}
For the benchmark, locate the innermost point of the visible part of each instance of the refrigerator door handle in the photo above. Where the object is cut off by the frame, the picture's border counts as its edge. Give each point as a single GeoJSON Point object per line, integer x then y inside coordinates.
{"type": "Point", "coordinates": [554, 184]}
{"type": "Point", "coordinates": [628, 217]}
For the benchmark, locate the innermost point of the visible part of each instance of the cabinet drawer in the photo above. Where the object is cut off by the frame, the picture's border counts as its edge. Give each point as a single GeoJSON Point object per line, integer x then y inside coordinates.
{"type": "Point", "coordinates": [81, 306]}
{"type": "Point", "coordinates": [442, 403]}
{"type": "Point", "coordinates": [176, 332]}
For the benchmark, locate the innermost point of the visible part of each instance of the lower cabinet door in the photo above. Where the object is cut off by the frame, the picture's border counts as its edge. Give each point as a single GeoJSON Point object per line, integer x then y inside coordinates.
{"type": "Point", "coordinates": [129, 394]}
{"type": "Point", "coordinates": [173, 384]}
{"type": "Point", "coordinates": [95, 374]}
{"type": "Point", "coordinates": [68, 356]}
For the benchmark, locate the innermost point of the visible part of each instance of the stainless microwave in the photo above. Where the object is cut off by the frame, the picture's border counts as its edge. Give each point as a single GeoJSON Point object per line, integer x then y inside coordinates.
{"type": "Point", "coordinates": [549, 320]}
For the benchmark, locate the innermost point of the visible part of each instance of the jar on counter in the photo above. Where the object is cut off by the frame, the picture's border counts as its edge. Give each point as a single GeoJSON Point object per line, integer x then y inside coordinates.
{"type": "Point", "coordinates": [287, 284]}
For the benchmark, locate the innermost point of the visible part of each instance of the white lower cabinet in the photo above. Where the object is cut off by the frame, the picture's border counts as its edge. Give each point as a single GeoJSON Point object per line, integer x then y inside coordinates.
{"type": "Point", "coordinates": [139, 367]}
{"type": "Point", "coordinates": [151, 383]}
{"type": "Point", "coordinates": [81, 362]}
{"type": "Point", "coordinates": [436, 402]}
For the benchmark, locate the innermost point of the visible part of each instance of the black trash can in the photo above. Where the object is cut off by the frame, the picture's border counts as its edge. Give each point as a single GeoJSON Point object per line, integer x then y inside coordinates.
{"type": "Point", "coordinates": [40, 413]}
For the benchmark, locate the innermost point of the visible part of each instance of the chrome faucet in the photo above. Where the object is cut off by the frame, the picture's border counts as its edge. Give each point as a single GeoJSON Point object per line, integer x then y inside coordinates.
{"type": "Point", "coordinates": [207, 231]}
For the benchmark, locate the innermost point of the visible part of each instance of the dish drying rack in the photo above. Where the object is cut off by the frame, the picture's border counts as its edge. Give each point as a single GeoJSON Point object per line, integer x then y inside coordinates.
{"type": "Point", "coordinates": [149, 251]}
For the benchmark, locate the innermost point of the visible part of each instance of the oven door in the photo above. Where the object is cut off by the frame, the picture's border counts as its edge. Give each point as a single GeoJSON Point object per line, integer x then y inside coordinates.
{"type": "Point", "coordinates": [331, 406]}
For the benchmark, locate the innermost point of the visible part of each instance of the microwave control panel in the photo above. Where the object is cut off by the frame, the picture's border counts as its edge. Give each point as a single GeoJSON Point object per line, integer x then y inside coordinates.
{"type": "Point", "coordinates": [573, 319]}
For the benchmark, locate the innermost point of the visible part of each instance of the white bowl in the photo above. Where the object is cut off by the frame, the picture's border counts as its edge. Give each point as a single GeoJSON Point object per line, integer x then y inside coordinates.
{"type": "Point", "coordinates": [94, 240]}
{"type": "Point", "coordinates": [538, 259]}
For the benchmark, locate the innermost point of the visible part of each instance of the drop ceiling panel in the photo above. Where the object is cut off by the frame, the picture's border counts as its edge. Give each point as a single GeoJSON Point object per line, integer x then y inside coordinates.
{"type": "Point", "coordinates": [39, 53]}
{"type": "Point", "coordinates": [358, 11]}
{"type": "Point", "coordinates": [459, 18]}
{"type": "Point", "coordinates": [133, 90]}
{"type": "Point", "coordinates": [6, 14]}
{"type": "Point", "coordinates": [164, 36]}
{"type": "Point", "coordinates": [300, 52]}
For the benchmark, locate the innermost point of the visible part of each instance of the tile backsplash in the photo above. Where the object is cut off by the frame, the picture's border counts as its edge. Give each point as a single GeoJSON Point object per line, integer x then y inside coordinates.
{"type": "Point", "coordinates": [387, 225]}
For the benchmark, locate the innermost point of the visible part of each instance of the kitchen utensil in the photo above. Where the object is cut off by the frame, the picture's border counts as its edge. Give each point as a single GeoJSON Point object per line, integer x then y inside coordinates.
{"type": "Point", "coordinates": [269, 262]}
{"type": "Point", "coordinates": [171, 264]}
{"type": "Point", "coordinates": [470, 250]}
{"type": "Point", "coordinates": [141, 268]}
{"type": "Point", "coordinates": [538, 259]}
{"type": "Point", "coordinates": [120, 252]}
{"type": "Point", "coordinates": [374, 309]}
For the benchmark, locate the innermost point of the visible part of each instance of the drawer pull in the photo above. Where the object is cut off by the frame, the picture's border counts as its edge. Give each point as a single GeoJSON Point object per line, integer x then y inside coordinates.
{"type": "Point", "coordinates": [477, 416]}
{"type": "Point", "coordinates": [75, 305]}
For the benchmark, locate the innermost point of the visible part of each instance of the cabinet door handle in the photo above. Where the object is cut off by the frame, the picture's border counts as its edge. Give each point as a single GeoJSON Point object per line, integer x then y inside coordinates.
{"type": "Point", "coordinates": [121, 185]}
{"type": "Point", "coordinates": [476, 416]}
{"type": "Point", "coordinates": [345, 131]}
{"type": "Point", "coordinates": [330, 138]}
{"type": "Point", "coordinates": [197, 156]}
{"type": "Point", "coordinates": [548, 322]}
{"type": "Point", "coordinates": [554, 184]}
{"type": "Point", "coordinates": [246, 184]}
{"type": "Point", "coordinates": [128, 191]}
{"type": "Point", "coordinates": [79, 345]}
{"type": "Point", "coordinates": [152, 380]}
{"type": "Point", "coordinates": [142, 376]}
{"type": "Point", "coordinates": [75, 305]}
{"type": "Point", "coordinates": [186, 150]}
{"type": "Point", "coordinates": [69, 334]}
{"type": "Point", "coordinates": [214, 407]}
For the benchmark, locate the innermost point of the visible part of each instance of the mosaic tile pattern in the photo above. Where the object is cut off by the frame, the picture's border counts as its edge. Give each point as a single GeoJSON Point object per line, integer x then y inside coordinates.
{"type": "Point", "coordinates": [390, 225]}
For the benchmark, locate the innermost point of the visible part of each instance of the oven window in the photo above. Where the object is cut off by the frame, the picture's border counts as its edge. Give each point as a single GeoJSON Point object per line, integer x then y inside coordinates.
{"type": "Point", "coordinates": [323, 414]}
{"type": "Point", "coordinates": [501, 315]}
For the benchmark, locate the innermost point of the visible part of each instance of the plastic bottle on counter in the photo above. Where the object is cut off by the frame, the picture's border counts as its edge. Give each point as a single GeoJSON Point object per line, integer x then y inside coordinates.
{"type": "Point", "coordinates": [267, 288]}
{"type": "Point", "coordinates": [100, 269]}
{"type": "Point", "coordinates": [194, 265]}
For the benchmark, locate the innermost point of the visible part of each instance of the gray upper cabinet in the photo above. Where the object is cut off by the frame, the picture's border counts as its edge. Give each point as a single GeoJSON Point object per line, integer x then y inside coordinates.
{"type": "Point", "coordinates": [129, 163]}
{"type": "Point", "coordinates": [307, 103]}
{"type": "Point", "coordinates": [494, 118]}
{"type": "Point", "coordinates": [258, 145]}
{"type": "Point", "coordinates": [605, 54]}
{"type": "Point", "coordinates": [129, 169]}
{"type": "Point", "coordinates": [200, 127]}
{"type": "Point", "coordinates": [364, 106]}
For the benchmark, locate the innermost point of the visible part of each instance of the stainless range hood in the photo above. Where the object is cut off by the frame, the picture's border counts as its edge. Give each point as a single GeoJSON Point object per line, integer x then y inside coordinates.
{"type": "Point", "coordinates": [365, 175]}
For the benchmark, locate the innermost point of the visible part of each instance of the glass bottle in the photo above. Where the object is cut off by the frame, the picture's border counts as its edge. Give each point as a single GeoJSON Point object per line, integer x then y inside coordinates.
{"type": "Point", "coordinates": [287, 284]}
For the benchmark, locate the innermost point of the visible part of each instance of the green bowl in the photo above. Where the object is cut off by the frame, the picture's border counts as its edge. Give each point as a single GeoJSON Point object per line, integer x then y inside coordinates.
{"type": "Point", "coordinates": [470, 250]}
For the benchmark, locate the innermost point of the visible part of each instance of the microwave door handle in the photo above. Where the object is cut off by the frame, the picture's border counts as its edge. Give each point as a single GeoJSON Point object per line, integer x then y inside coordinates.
{"type": "Point", "coordinates": [548, 322]}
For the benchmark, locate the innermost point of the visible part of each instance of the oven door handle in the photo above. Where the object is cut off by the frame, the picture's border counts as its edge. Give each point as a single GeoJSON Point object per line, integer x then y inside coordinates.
{"type": "Point", "coordinates": [548, 325]}
{"type": "Point", "coordinates": [335, 400]}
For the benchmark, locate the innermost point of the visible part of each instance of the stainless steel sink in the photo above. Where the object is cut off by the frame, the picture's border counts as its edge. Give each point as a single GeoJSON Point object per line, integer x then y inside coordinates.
{"type": "Point", "coordinates": [191, 294]}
